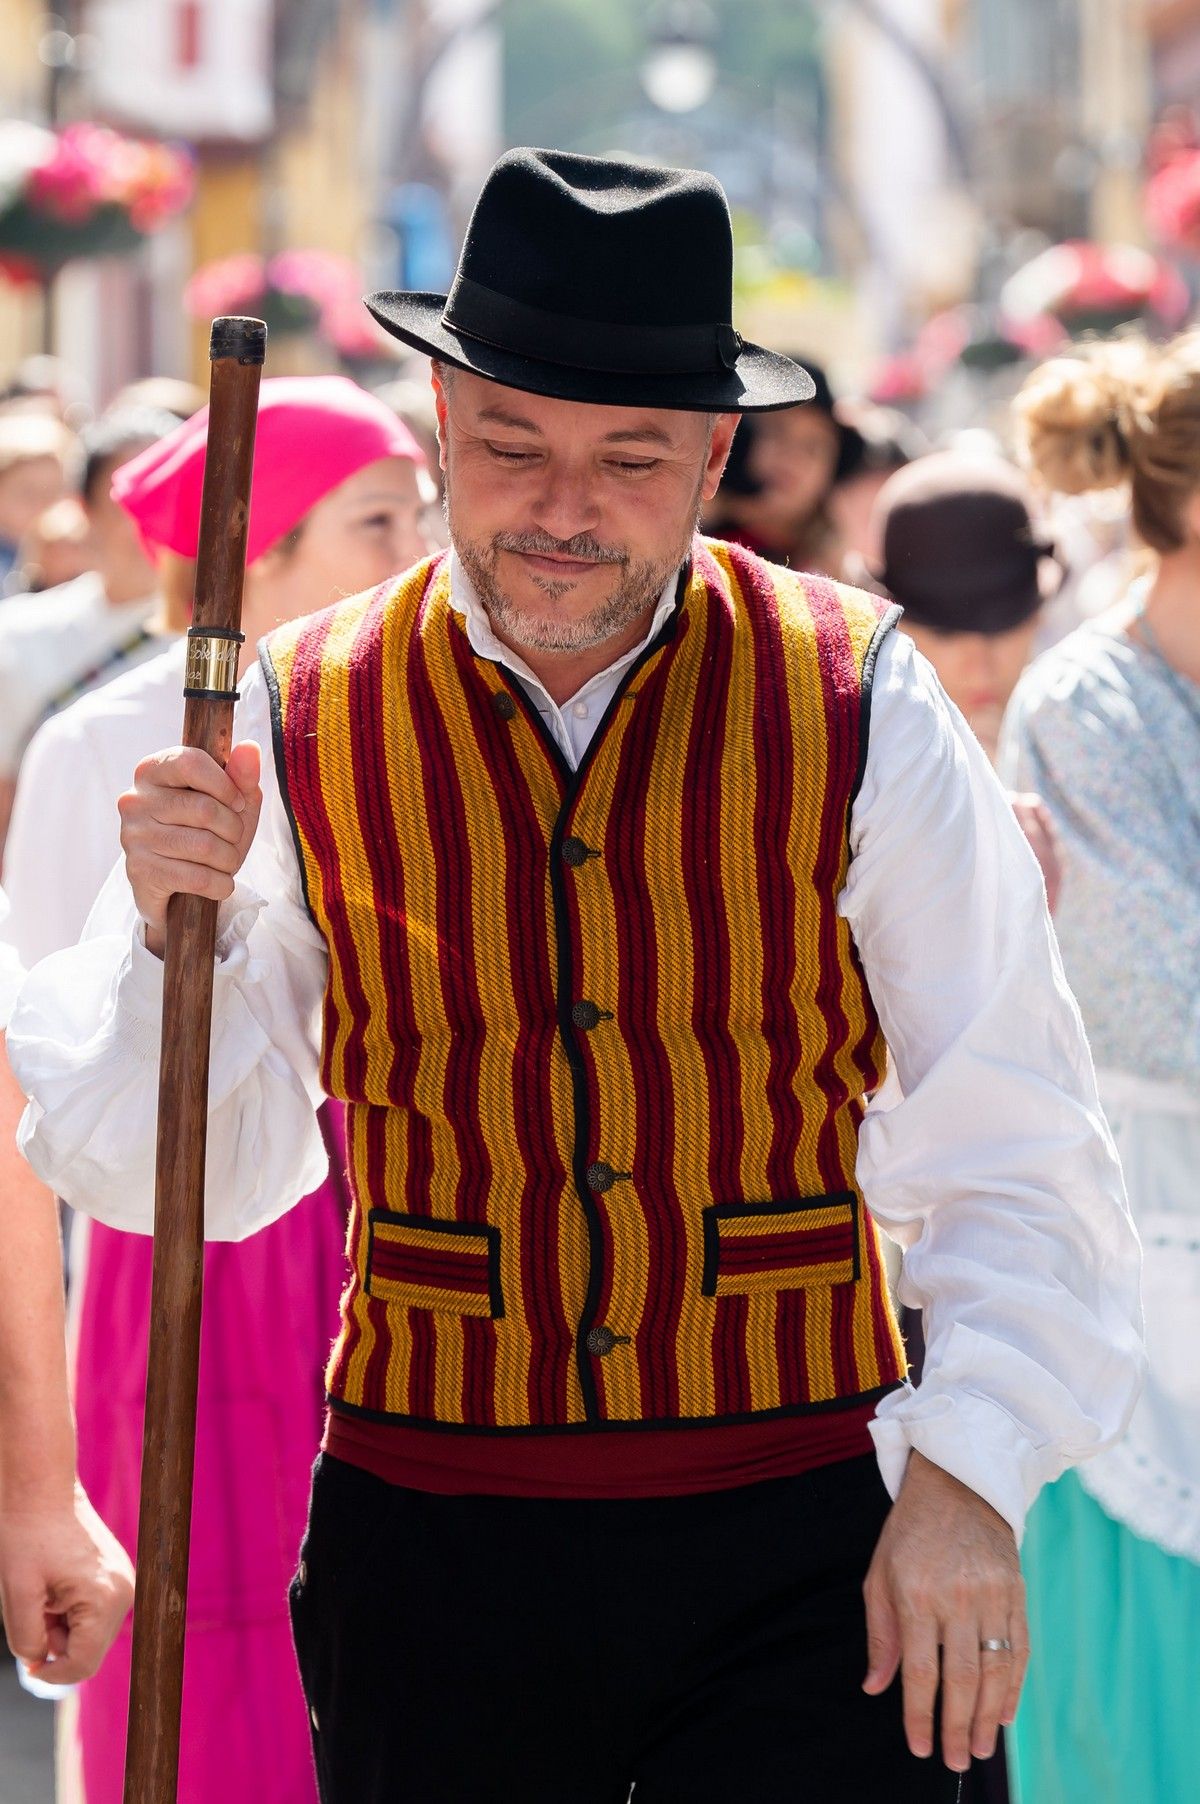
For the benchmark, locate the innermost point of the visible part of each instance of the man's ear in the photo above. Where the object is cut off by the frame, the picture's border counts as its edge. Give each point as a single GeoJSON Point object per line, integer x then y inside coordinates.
{"type": "Point", "coordinates": [439, 375]}
{"type": "Point", "coordinates": [720, 444]}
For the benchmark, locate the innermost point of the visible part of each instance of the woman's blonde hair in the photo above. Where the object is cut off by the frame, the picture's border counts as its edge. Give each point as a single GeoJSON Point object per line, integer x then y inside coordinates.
{"type": "Point", "coordinates": [1124, 411]}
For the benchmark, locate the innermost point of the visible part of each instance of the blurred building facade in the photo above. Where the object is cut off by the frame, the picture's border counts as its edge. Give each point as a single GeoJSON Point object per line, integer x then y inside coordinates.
{"type": "Point", "coordinates": [971, 132]}
{"type": "Point", "coordinates": [885, 158]}
{"type": "Point", "coordinates": [1173, 32]}
{"type": "Point", "coordinates": [23, 95]}
{"type": "Point", "coordinates": [908, 219]}
{"type": "Point", "coordinates": [268, 98]}
{"type": "Point", "coordinates": [305, 118]}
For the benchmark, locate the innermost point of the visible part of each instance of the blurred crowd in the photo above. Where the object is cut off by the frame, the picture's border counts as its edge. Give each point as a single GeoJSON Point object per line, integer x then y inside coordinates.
{"type": "Point", "coordinates": [1051, 576]}
{"type": "Point", "coordinates": [843, 487]}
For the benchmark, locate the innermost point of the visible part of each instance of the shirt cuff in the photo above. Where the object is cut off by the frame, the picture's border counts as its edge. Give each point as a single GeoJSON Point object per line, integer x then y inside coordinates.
{"type": "Point", "coordinates": [142, 981]}
{"type": "Point", "coordinates": [973, 1439]}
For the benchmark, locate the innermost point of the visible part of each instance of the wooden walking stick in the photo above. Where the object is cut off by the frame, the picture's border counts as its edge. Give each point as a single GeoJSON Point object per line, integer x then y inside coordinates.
{"type": "Point", "coordinates": [236, 351]}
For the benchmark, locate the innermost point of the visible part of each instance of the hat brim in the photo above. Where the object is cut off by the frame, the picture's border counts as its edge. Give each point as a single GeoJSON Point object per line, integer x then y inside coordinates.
{"type": "Point", "coordinates": [759, 382]}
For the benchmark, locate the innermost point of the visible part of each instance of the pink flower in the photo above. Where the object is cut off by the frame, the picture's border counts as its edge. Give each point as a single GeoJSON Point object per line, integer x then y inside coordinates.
{"type": "Point", "coordinates": [228, 285]}
{"type": "Point", "coordinates": [90, 166]}
{"type": "Point", "coordinates": [349, 328]}
{"type": "Point", "coordinates": [319, 276]}
{"type": "Point", "coordinates": [76, 178]}
{"type": "Point", "coordinates": [900, 377]}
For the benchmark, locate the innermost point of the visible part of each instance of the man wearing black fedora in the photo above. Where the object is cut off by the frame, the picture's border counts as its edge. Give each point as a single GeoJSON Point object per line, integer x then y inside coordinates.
{"type": "Point", "coordinates": [591, 865]}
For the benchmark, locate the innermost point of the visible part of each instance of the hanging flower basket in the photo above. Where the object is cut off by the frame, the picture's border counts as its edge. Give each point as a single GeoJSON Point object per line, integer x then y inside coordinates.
{"type": "Point", "coordinates": [984, 339]}
{"type": "Point", "coordinates": [1097, 287]}
{"type": "Point", "coordinates": [84, 191]}
{"type": "Point", "coordinates": [898, 381]}
{"type": "Point", "coordinates": [297, 293]}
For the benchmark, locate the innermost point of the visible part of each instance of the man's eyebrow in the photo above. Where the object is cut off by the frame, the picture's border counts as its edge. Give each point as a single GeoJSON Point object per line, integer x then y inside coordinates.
{"type": "Point", "coordinates": [652, 435]}
{"type": "Point", "coordinates": [500, 416]}
{"type": "Point", "coordinates": [647, 432]}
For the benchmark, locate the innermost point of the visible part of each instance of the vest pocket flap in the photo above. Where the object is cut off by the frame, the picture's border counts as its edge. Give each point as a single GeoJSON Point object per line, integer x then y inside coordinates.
{"type": "Point", "coordinates": [424, 1262]}
{"type": "Point", "coordinates": [794, 1245]}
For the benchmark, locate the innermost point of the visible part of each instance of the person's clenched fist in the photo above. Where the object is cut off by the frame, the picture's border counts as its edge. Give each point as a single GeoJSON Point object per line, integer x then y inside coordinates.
{"type": "Point", "coordinates": [66, 1585]}
{"type": "Point", "coordinates": [186, 827]}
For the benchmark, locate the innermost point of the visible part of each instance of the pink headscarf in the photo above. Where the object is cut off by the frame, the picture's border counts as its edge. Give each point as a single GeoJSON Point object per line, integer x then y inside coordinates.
{"type": "Point", "coordinates": [313, 432]}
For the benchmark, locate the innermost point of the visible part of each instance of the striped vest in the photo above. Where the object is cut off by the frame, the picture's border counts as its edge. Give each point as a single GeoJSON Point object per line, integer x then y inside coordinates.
{"type": "Point", "coordinates": [603, 1037]}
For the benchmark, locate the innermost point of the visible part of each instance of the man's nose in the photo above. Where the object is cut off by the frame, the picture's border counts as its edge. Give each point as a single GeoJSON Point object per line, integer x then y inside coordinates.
{"type": "Point", "coordinates": [566, 504]}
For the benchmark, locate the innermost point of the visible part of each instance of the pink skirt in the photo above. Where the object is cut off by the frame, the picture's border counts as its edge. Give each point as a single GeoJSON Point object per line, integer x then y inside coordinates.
{"type": "Point", "coordinates": [270, 1315]}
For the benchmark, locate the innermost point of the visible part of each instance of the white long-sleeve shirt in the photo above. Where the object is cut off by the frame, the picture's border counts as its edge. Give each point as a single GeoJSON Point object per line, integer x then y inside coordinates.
{"type": "Point", "coordinates": [984, 1154]}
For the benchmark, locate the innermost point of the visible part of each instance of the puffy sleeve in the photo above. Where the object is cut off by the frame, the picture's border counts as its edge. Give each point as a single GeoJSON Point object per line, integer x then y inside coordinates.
{"type": "Point", "coordinates": [84, 1044]}
{"type": "Point", "coordinates": [985, 1153]}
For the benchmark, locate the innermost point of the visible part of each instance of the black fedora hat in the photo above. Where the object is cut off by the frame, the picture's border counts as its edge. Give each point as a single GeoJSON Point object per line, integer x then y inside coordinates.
{"type": "Point", "coordinates": [598, 281]}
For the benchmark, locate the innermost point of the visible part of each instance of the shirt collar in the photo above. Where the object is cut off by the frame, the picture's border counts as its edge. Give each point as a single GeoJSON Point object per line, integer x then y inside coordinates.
{"type": "Point", "coordinates": [465, 601]}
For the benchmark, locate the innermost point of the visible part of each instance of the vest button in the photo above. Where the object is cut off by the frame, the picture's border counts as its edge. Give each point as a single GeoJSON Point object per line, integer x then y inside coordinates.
{"type": "Point", "coordinates": [586, 1015]}
{"type": "Point", "coordinates": [601, 1341]}
{"type": "Point", "coordinates": [575, 852]}
{"type": "Point", "coordinates": [504, 704]}
{"type": "Point", "coordinates": [600, 1177]}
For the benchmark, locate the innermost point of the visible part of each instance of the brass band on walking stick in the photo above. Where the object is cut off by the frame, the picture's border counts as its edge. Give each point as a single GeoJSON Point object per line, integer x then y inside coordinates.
{"type": "Point", "coordinates": [236, 351]}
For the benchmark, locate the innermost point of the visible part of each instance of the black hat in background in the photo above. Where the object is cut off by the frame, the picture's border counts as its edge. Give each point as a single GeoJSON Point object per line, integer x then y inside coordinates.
{"type": "Point", "coordinates": [850, 439]}
{"type": "Point", "coordinates": [596, 280]}
{"type": "Point", "coordinates": [738, 478]}
{"type": "Point", "coordinates": [959, 550]}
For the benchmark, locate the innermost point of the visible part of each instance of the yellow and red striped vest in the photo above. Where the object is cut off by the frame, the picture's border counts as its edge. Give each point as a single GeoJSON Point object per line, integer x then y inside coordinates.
{"type": "Point", "coordinates": [603, 1036]}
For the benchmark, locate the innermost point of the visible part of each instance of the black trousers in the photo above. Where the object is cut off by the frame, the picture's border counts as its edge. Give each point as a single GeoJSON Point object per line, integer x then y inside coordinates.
{"type": "Point", "coordinates": [495, 1650]}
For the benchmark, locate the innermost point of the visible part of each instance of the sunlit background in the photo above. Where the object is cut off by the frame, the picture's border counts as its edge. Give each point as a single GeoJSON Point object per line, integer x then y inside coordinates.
{"type": "Point", "coordinates": [895, 167]}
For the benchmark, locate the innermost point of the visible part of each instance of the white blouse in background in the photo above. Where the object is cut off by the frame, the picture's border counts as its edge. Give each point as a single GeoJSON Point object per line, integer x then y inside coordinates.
{"type": "Point", "coordinates": [65, 832]}
{"type": "Point", "coordinates": [47, 641]}
{"type": "Point", "coordinates": [1109, 735]}
{"type": "Point", "coordinates": [985, 1154]}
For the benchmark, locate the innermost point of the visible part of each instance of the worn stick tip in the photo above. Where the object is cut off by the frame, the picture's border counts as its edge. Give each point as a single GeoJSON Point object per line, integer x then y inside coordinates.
{"type": "Point", "coordinates": [233, 336]}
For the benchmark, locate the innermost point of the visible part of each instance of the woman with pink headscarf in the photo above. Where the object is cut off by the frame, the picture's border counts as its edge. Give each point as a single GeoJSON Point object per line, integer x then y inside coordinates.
{"type": "Point", "coordinates": [339, 492]}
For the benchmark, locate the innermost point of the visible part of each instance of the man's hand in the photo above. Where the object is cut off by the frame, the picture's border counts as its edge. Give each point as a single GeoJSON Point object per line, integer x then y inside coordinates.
{"type": "Point", "coordinates": [186, 827]}
{"type": "Point", "coordinates": [946, 1577]}
{"type": "Point", "coordinates": [66, 1586]}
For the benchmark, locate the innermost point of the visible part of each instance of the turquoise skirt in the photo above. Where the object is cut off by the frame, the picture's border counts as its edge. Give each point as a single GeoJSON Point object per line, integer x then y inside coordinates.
{"type": "Point", "coordinates": [1110, 1713]}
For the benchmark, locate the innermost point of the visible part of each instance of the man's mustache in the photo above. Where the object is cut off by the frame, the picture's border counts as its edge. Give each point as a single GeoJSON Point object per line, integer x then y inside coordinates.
{"type": "Point", "coordinates": [583, 546]}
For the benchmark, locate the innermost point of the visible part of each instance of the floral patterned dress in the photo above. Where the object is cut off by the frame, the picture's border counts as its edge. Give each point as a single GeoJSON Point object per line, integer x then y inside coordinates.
{"type": "Point", "coordinates": [1108, 733]}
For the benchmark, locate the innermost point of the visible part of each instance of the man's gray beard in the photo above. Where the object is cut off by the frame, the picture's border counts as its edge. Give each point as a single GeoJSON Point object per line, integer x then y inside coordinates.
{"type": "Point", "coordinates": [639, 588]}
